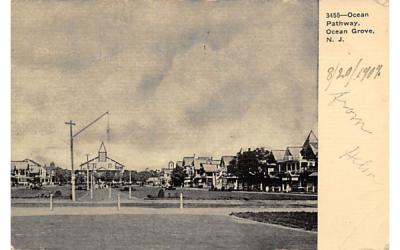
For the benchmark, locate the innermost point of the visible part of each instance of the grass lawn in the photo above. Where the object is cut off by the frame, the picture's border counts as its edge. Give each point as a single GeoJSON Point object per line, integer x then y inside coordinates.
{"type": "Point", "coordinates": [21, 192]}
{"type": "Point", "coordinates": [152, 231]}
{"type": "Point", "coordinates": [198, 194]}
{"type": "Point", "coordinates": [304, 220]}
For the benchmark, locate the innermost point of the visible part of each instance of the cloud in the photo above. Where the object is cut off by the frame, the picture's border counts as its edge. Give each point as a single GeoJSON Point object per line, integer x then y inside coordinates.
{"type": "Point", "coordinates": [178, 78]}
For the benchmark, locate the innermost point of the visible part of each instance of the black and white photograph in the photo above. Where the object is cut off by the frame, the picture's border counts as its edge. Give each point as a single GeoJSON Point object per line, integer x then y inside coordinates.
{"type": "Point", "coordinates": [164, 124]}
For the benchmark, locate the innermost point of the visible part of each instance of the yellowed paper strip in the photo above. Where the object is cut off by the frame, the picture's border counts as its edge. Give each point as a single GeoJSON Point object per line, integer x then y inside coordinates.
{"type": "Point", "coordinates": [353, 125]}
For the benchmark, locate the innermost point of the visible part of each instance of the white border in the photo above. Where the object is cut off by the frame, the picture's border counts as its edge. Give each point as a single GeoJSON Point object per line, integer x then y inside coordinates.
{"type": "Point", "coordinates": [5, 25]}
{"type": "Point", "coordinates": [5, 111]}
{"type": "Point", "coordinates": [394, 125]}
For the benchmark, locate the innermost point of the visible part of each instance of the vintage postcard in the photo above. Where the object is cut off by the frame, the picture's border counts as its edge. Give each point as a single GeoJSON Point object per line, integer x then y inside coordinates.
{"type": "Point", "coordinates": [199, 124]}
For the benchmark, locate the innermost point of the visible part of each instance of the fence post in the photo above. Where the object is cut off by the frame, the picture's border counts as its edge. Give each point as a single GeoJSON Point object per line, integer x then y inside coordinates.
{"type": "Point", "coordinates": [118, 202]}
{"type": "Point", "coordinates": [51, 202]}
{"type": "Point", "coordinates": [91, 191]}
{"type": "Point", "coordinates": [181, 202]}
{"type": "Point", "coordinates": [130, 193]}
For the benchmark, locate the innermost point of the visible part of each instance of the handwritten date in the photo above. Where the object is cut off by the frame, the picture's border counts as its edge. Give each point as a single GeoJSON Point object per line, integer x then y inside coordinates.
{"type": "Point", "coordinates": [355, 72]}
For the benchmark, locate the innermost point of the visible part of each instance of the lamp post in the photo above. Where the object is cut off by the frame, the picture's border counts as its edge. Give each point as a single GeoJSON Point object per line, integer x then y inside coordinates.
{"type": "Point", "coordinates": [72, 136]}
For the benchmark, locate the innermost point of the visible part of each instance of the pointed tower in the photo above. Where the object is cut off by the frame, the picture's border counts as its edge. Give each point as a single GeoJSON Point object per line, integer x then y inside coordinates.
{"type": "Point", "coordinates": [310, 147]}
{"type": "Point", "coordinates": [311, 140]}
{"type": "Point", "coordinates": [102, 153]}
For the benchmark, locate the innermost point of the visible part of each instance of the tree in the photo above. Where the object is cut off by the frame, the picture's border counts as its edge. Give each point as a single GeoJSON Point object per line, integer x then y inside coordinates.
{"type": "Point", "coordinates": [62, 175]}
{"type": "Point", "coordinates": [178, 176]}
{"type": "Point", "coordinates": [249, 166]}
{"type": "Point", "coordinates": [142, 176]}
{"type": "Point", "coordinates": [109, 176]}
{"type": "Point", "coordinates": [126, 175]}
{"type": "Point", "coordinates": [80, 178]}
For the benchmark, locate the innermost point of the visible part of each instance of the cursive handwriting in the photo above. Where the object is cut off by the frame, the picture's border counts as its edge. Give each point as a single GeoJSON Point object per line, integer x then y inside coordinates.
{"type": "Point", "coordinates": [352, 73]}
{"type": "Point", "coordinates": [339, 98]}
{"type": "Point", "coordinates": [362, 165]}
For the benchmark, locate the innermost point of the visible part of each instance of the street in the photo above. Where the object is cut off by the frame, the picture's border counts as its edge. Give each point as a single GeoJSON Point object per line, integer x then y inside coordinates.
{"type": "Point", "coordinates": [153, 231]}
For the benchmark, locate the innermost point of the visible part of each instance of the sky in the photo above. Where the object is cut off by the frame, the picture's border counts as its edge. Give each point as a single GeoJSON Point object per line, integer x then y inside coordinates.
{"type": "Point", "coordinates": [178, 78]}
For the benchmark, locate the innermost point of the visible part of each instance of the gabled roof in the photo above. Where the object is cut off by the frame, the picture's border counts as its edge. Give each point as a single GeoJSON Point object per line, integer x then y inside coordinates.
{"type": "Point", "coordinates": [215, 162]}
{"type": "Point", "coordinates": [89, 161]}
{"type": "Point", "coordinates": [24, 164]}
{"type": "Point", "coordinates": [210, 168]}
{"type": "Point", "coordinates": [115, 161]}
{"type": "Point", "coordinates": [198, 162]}
{"type": "Point", "coordinates": [227, 159]}
{"type": "Point", "coordinates": [312, 143]}
{"type": "Point", "coordinates": [187, 161]}
{"type": "Point", "coordinates": [295, 152]}
{"type": "Point", "coordinates": [311, 139]}
{"type": "Point", "coordinates": [95, 158]}
{"type": "Point", "coordinates": [314, 148]}
{"type": "Point", "coordinates": [279, 155]}
{"type": "Point", "coordinates": [102, 148]}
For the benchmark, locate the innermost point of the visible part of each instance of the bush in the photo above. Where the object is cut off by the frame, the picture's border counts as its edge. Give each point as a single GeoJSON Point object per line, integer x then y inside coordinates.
{"type": "Point", "coordinates": [58, 193]}
{"type": "Point", "coordinates": [160, 193]}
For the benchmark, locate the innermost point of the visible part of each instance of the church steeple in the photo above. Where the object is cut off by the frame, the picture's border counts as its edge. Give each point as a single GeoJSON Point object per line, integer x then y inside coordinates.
{"type": "Point", "coordinates": [102, 152]}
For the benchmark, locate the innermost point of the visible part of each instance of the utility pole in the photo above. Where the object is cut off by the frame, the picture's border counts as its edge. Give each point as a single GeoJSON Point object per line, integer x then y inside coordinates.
{"type": "Point", "coordinates": [70, 123]}
{"type": "Point", "coordinates": [87, 172]}
{"type": "Point", "coordinates": [72, 136]}
{"type": "Point", "coordinates": [91, 183]}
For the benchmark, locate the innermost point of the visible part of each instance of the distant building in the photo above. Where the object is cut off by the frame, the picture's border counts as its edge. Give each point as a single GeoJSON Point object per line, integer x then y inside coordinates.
{"type": "Point", "coordinates": [27, 171]}
{"type": "Point", "coordinates": [309, 152]}
{"type": "Point", "coordinates": [171, 165]}
{"type": "Point", "coordinates": [179, 164]}
{"type": "Point", "coordinates": [226, 160]}
{"type": "Point", "coordinates": [153, 181]}
{"type": "Point", "coordinates": [296, 166]}
{"type": "Point", "coordinates": [165, 174]}
{"type": "Point", "coordinates": [102, 162]}
{"type": "Point", "coordinates": [188, 165]}
{"type": "Point", "coordinates": [103, 165]}
{"type": "Point", "coordinates": [50, 174]}
{"type": "Point", "coordinates": [207, 174]}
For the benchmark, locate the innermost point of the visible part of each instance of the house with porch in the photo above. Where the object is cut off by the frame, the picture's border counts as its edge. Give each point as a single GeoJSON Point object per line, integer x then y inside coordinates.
{"type": "Point", "coordinates": [26, 172]}
{"type": "Point", "coordinates": [297, 166]}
